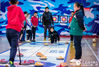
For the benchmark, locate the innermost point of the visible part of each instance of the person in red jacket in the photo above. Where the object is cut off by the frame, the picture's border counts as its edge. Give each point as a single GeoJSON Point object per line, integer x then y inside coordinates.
{"type": "Point", "coordinates": [34, 21]}
{"type": "Point", "coordinates": [16, 18]}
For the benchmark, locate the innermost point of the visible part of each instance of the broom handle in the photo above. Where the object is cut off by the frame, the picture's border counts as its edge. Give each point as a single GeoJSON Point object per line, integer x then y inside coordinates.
{"type": "Point", "coordinates": [19, 55]}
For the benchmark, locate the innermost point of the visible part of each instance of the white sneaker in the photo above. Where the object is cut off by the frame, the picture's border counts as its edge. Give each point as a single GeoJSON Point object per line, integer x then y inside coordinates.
{"type": "Point", "coordinates": [77, 61]}
{"type": "Point", "coordinates": [74, 60]}
{"type": "Point", "coordinates": [28, 41]}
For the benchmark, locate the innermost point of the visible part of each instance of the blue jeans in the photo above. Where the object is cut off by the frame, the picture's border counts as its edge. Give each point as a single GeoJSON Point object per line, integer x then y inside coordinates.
{"type": "Point", "coordinates": [78, 48]}
{"type": "Point", "coordinates": [12, 36]}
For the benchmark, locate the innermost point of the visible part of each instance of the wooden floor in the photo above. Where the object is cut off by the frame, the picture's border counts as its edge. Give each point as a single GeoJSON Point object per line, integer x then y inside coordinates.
{"type": "Point", "coordinates": [90, 52]}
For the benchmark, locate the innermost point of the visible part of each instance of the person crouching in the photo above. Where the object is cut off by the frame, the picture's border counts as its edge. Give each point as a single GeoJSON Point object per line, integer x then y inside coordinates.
{"type": "Point", "coordinates": [54, 36]}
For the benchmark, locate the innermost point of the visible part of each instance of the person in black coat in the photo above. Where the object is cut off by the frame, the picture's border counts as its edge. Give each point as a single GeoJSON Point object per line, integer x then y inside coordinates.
{"type": "Point", "coordinates": [54, 37]}
{"type": "Point", "coordinates": [47, 21]}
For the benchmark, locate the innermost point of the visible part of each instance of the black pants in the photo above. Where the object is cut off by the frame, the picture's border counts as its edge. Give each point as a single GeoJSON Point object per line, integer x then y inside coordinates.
{"type": "Point", "coordinates": [78, 48]}
{"type": "Point", "coordinates": [29, 35]}
{"type": "Point", "coordinates": [33, 32]}
{"type": "Point", "coordinates": [53, 39]}
{"type": "Point", "coordinates": [71, 37]}
{"type": "Point", "coordinates": [45, 30]}
{"type": "Point", "coordinates": [23, 35]}
{"type": "Point", "coordinates": [12, 36]}
{"type": "Point", "coordinates": [98, 33]}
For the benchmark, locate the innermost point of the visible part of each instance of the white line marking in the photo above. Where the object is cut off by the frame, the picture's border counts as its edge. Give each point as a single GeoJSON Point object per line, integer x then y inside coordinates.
{"type": "Point", "coordinates": [92, 50]}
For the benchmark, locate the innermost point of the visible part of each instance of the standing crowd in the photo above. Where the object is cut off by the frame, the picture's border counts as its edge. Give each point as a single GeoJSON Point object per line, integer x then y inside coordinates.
{"type": "Point", "coordinates": [19, 24]}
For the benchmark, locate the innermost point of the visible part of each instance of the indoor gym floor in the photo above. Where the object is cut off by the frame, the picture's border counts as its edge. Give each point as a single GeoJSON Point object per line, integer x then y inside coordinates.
{"type": "Point", "coordinates": [90, 57]}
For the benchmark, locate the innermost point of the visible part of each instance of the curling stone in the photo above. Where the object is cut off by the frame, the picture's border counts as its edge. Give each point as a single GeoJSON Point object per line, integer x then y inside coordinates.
{"type": "Point", "coordinates": [43, 58]}
{"type": "Point", "coordinates": [63, 64]}
{"type": "Point", "coordinates": [46, 44]}
{"type": "Point", "coordinates": [38, 64]}
{"type": "Point", "coordinates": [25, 63]}
{"type": "Point", "coordinates": [3, 61]}
{"type": "Point", "coordinates": [39, 54]}
{"type": "Point", "coordinates": [60, 58]}
{"type": "Point", "coordinates": [31, 61]}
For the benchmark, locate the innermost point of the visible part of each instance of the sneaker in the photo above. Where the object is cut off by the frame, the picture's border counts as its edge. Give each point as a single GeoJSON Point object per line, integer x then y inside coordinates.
{"type": "Point", "coordinates": [11, 64]}
{"type": "Point", "coordinates": [44, 39]}
{"type": "Point", "coordinates": [33, 40]}
{"type": "Point", "coordinates": [75, 60]}
{"type": "Point", "coordinates": [28, 41]}
{"type": "Point", "coordinates": [78, 62]}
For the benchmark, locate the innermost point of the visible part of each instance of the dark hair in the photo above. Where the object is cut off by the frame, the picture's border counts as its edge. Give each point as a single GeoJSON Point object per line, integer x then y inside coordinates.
{"type": "Point", "coordinates": [13, 1]}
{"type": "Point", "coordinates": [25, 12]}
{"type": "Point", "coordinates": [81, 6]}
{"type": "Point", "coordinates": [72, 12]}
{"type": "Point", "coordinates": [35, 12]}
{"type": "Point", "coordinates": [28, 14]}
{"type": "Point", "coordinates": [46, 8]}
{"type": "Point", "coordinates": [51, 27]}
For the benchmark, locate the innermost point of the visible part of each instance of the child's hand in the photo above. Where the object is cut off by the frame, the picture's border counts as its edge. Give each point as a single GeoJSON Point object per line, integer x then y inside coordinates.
{"type": "Point", "coordinates": [85, 29]}
{"type": "Point", "coordinates": [43, 25]}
